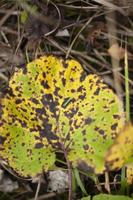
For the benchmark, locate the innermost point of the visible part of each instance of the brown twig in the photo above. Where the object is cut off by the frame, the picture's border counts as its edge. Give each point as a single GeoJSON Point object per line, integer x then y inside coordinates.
{"type": "Point", "coordinates": [7, 15]}
{"type": "Point", "coordinates": [46, 196]}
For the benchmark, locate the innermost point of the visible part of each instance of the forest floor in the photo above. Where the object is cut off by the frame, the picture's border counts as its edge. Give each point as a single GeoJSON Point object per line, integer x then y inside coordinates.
{"type": "Point", "coordinates": [98, 34]}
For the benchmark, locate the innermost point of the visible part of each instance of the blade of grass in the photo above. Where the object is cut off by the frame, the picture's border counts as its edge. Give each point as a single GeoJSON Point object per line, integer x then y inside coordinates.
{"type": "Point", "coordinates": [127, 87]}
{"type": "Point", "coordinates": [79, 182]}
{"type": "Point", "coordinates": [124, 186]}
{"type": "Point", "coordinates": [123, 181]}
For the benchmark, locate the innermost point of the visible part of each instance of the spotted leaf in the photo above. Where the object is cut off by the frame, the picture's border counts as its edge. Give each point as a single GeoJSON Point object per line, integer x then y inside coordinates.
{"type": "Point", "coordinates": [129, 173]}
{"type": "Point", "coordinates": [121, 152]}
{"type": "Point", "coordinates": [53, 105]}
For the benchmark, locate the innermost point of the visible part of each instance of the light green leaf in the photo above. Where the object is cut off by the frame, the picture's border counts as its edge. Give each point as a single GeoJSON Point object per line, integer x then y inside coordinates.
{"type": "Point", "coordinates": [110, 197]}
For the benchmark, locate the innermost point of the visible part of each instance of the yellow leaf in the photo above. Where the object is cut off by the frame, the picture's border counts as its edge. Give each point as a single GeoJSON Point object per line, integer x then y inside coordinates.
{"type": "Point", "coordinates": [117, 52]}
{"type": "Point", "coordinates": [121, 152]}
{"type": "Point", "coordinates": [129, 173]}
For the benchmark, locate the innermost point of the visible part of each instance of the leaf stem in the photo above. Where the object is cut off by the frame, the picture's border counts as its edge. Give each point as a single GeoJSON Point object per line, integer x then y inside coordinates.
{"type": "Point", "coordinates": [69, 177]}
{"type": "Point", "coordinates": [69, 173]}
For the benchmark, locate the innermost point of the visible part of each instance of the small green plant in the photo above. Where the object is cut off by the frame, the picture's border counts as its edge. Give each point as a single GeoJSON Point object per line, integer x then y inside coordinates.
{"type": "Point", "coordinates": [24, 14]}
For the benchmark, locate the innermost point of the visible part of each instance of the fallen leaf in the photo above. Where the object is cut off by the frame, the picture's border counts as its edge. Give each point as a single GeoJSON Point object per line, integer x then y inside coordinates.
{"type": "Point", "coordinates": [117, 52]}
{"type": "Point", "coordinates": [53, 105]}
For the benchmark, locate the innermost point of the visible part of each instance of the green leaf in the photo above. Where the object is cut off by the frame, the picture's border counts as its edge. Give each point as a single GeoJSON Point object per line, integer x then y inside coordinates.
{"type": "Point", "coordinates": [24, 16]}
{"type": "Point", "coordinates": [110, 197]}
{"type": "Point", "coordinates": [53, 105]}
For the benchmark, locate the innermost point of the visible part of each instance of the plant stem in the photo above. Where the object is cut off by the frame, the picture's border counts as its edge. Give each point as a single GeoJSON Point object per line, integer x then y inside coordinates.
{"type": "Point", "coordinates": [69, 174]}
{"type": "Point", "coordinates": [69, 178]}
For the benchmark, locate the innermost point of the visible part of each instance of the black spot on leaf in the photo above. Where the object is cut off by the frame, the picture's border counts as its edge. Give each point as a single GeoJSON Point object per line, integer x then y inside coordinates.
{"type": "Point", "coordinates": [83, 76]}
{"type": "Point", "coordinates": [2, 139]}
{"type": "Point", "coordinates": [63, 81]}
{"type": "Point", "coordinates": [45, 84]}
{"type": "Point", "coordinates": [39, 145]}
{"type": "Point", "coordinates": [18, 101]}
{"type": "Point", "coordinates": [89, 120]}
{"type": "Point", "coordinates": [34, 100]}
{"type": "Point", "coordinates": [86, 147]}
{"type": "Point", "coordinates": [97, 91]}
{"type": "Point", "coordinates": [116, 116]}
{"type": "Point", "coordinates": [114, 126]}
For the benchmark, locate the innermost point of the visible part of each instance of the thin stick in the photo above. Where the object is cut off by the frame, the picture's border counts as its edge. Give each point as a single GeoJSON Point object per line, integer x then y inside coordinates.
{"type": "Point", "coordinates": [46, 196]}
{"type": "Point", "coordinates": [111, 27]}
{"type": "Point", "coordinates": [107, 183]}
{"type": "Point", "coordinates": [76, 37]}
{"type": "Point", "coordinates": [38, 188]}
{"type": "Point", "coordinates": [7, 15]}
